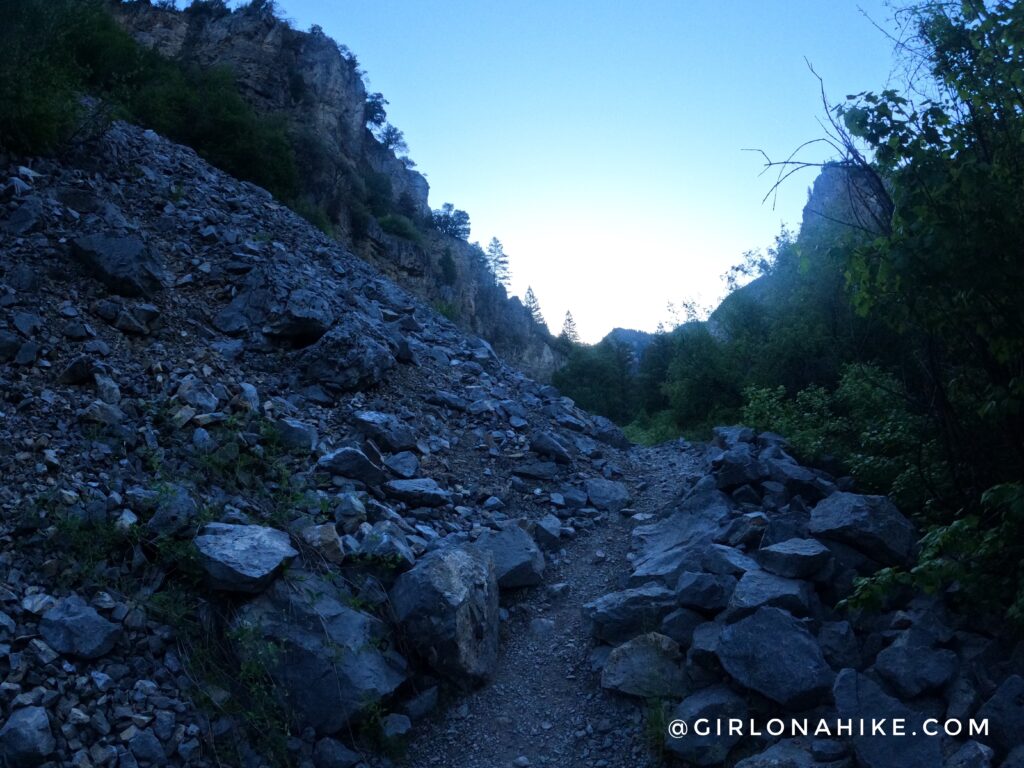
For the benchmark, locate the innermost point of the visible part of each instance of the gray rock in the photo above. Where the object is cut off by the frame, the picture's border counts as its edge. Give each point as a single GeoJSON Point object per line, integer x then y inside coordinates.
{"type": "Point", "coordinates": [719, 558]}
{"type": "Point", "coordinates": [394, 727]}
{"type": "Point", "coordinates": [295, 435]}
{"type": "Point", "coordinates": [646, 666]}
{"type": "Point", "coordinates": [386, 430]}
{"type": "Point", "coordinates": [242, 558]}
{"type": "Point", "coordinates": [795, 558]}
{"type": "Point", "coordinates": [331, 753]}
{"type": "Point", "coordinates": [546, 444]}
{"type": "Point", "coordinates": [330, 662]}
{"type": "Point", "coordinates": [305, 317]}
{"type": "Point", "coordinates": [1005, 714]}
{"type": "Point", "coordinates": [621, 616]}
{"type": "Point", "coordinates": [386, 543]}
{"type": "Point", "coordinates": [25, 217]}
{"type": "Point", "coordinates": [973, 754]}
{"type": "Point", "coordinates": [351, 463]}
{"type": "Point", "coordinates": [537, 470]}
{"type": "Point", "coordinates": [912, 668]}
{"type": "Point", "coordinates": [145, 746]}
{"type": "Point", "coordinates": [348, 357]}
{"type": "Point", "coordinates": [870, 524]}
{"type": "Point", "coordinates": [447, 608]}
{"type": "Point", "coordinates": [797, 480]}
{"type": "Point", "coordinates": [607, 495]}
{"type": "Point", "coordinates": [791, 753]}
{"type": "Point", "coordinates": [74, 628]}
{"type": "Point", "coordinates": [609, 433]}
{"type": "Point", "coordinates": [859, 697]}
{"type": "Point", "coordinates": [737, 466]}
{"type": "Point", "coordinates": [839, 644]}
{"type": "Point", "coordinates": [194, 392]}
{"type": "Point", "coordinates": [549, 532]}
{"type": "Point", "coordinates": [772, 653]}
{"type": "Point", "coordinates": [704, 591]}
{"type": "Point", "coordinates": [760, 588]}
{"type": "Point", "coordinates": [123, 264]}
{"type": "Point", "coordinates": [404, 464]}
{"type": "Point", "coordinates": [715, 704]}
{"type": "Point", "coordinates": [681, 624]}
{"type": "Point", "coordinates": [175, 509]}
{"type": "Point", "coordinates": [422, 704]}
{"type": "Point", "coordinates": [26, 739]}
{"type": "Point", "coordinates": [518, 562]}
{"type": "Point", "coordinates": [421, 492]}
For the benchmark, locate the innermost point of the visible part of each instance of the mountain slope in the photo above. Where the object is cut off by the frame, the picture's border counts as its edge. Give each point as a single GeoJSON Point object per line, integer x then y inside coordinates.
{"type": "Point", "coordinates": [373, 200]}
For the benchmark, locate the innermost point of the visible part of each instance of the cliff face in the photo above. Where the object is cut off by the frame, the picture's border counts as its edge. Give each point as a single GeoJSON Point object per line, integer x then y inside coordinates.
{"type": "Point", "coordinates": [304, 76]}
{"type": "Point", "coordinates": [314, 84]}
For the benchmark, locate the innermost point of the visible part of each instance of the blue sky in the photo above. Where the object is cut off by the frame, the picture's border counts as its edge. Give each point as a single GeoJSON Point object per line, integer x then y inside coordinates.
{"type": "Point", "coordinates": [602, 141]}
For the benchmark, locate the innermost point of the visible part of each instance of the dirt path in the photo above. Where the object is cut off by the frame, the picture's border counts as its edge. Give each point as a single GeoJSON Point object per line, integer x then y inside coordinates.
{"type": "Point", "coordinates": [545, 705]}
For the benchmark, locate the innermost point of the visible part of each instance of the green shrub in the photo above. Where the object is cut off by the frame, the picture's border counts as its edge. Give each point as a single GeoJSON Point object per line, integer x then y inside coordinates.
{"type": "Point", "coordinates": [398, 225]}
{"type": "Point", "coordinates": [56, 50]}
{"type": "Point", "coordinates": [447, 309]}
{"type": "Point", "coordinates": [652, 430]}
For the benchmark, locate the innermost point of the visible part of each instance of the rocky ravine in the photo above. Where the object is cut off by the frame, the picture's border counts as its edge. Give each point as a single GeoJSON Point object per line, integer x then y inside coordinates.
{"type": "Point", "coordinates": [262, 507]}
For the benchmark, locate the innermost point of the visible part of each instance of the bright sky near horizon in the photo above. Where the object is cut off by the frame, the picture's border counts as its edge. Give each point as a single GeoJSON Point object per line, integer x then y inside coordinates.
{"type": "Point", "coordinates": [602, 141]}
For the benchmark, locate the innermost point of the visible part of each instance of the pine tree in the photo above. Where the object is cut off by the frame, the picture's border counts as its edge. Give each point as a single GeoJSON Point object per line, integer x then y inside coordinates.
{"type": "Point", "coordinates": [497, 261]}
{"type": "Point", "coordinates": [531, 303]}
{"type": "Point", "coordinates": [569, 332]}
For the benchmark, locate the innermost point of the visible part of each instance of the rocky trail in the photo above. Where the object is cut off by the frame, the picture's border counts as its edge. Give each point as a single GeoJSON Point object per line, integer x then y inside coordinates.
{"type": "Point", "coordinates": [544, 705]}
{"type": "Point", "coordinates": [262, 508]}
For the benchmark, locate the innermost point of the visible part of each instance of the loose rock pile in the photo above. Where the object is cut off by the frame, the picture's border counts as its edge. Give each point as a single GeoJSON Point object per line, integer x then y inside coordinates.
{"type": "Point", "coordinates": [728, 614]}
{"type": "Point", "coordinates": [246, 481]}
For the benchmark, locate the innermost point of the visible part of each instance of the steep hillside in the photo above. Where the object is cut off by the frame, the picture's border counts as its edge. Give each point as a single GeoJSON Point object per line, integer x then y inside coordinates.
{"type": "Point", "coordinates": [200, 389]}
{"type": "Point", "coordinates": [372, 200]}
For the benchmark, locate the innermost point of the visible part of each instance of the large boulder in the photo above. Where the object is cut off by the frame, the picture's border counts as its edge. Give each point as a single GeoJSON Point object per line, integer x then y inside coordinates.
{"type": "Point", "coordinates": [1005, 714]}
{"type": "Point", "coordinates": [758, 589]}
{"type": "Point", "coordinates": [859, 698]}
{"type": "Point", "coordinates": [795, 558]}
{"type": "Point", "coordinates": [620, 616]}
{"type": "Point", "coordinates": [737, 466]}
{"type": "Point", "coordinates": [546, 444]}
{"type": "Point", "coordinates": [447, 608]}
{"type": "Point", "coordinates": [518, 561]}
{"type": "Point", "coordinates": [913, 668]}
{"type": "Point", "coordinates": [716, 704]}
{"type": "Point", "coordinates": [607, 495]}
{"type": "Point", "coordinates": [351, 463]}
{"type": "Point", "coordinates": [386, 430]}
{"type": "Point", "coordinates": [870, 524]}
{"type": "Point", "coordinates": [707, 592]}
{"type": "Point", "coordinates": [124, 264]}
{"type": "Point", "coordinates": [646, 666]}
{"type": "Point", "coordinates": [609, 433]}
{"type": "Point", "coordinates": [330, 661]}
{"type": "Point", "coordinates": [26, 739]}
{"type": "Point", "coordinates": [773, 653]}
{"type": "Point", "coordinates": [677, 543]}
{"type": "Point", "coordinates": [351, 356]}
{"type": "Point", "coordinates": [242, 558]}
{"type": "Point", "coordinates": [174, 511]}
{"type": "Point", "coordinates": [303, 319]}
{"type": "Point", "coordinates": [74, 628]}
